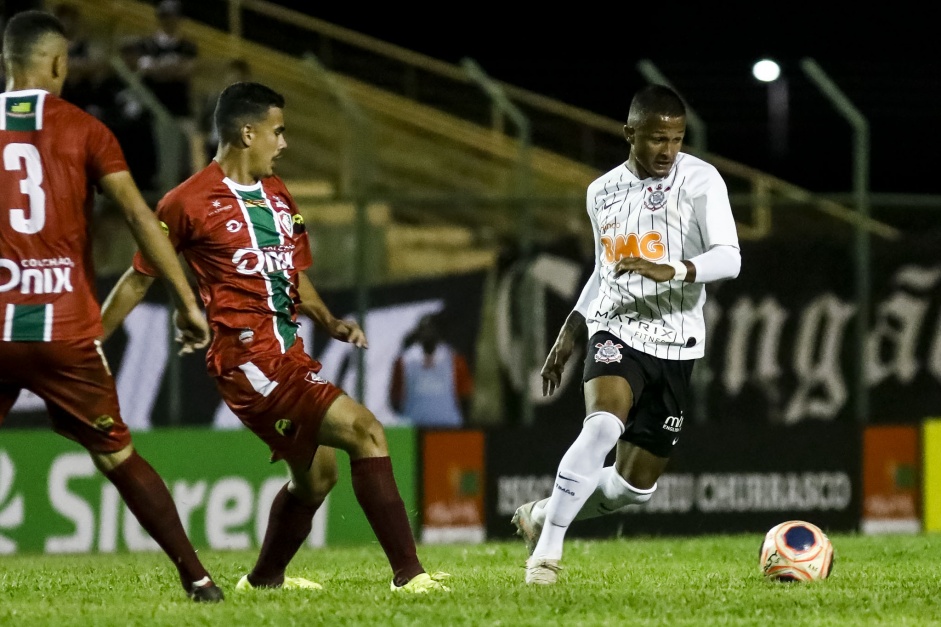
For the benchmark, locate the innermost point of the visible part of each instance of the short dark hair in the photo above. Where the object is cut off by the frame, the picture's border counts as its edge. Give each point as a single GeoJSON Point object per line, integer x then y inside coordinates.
{"type": "Point", "coordinates": [241, 103]}
{"type": "Point", "coordinates": [23, 32]}
{"type": "Point", "coordinates": [656, 100]}
{"type": "Point", "coordinates": [169, 7]}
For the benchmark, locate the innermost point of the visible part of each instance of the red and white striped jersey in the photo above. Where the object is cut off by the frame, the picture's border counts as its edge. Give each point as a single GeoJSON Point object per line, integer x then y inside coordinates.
{"type": "Point", "coordinates": [53, 155]}
{"type": "Point", "coordinates": [245, 246]}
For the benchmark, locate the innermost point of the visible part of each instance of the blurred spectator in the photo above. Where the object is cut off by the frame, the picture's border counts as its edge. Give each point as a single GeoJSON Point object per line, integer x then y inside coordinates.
{"type": "Point", "coordinates": [166, 65]}
{"type": "Point", "coordinates": [82, 59]}
{"type": "Point", "coordinates": [119, 107]}
{"type": "Point", "coordinates": [236, 71]}
{"type": "Point", "coordinates": [431, 384]}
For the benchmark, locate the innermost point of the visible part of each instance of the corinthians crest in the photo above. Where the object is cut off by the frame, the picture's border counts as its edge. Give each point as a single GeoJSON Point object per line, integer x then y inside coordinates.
{"type": "Point", "coordinates": [656, 198]}
{"type": "Point", "coordinates": [608, 352]}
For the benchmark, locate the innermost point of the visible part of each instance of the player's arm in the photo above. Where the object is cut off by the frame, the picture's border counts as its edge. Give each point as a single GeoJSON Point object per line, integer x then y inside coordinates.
{"type": "Point", "coordinates": [722, 258]}
{"type": "Point", "coordinates": [157, 249]}
{"type": "Point", "coordinates": [313, 307]}
{"type": "Point", "coordinates": [123, 298]}
{"type": "Point", "coordinates": [575, 326]}
{"type": "Point", "coordinates": [719, 262]}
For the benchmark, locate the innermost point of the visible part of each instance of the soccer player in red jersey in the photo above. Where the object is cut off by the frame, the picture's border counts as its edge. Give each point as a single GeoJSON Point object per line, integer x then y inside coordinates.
{"type": "Point", "coordinates": [241, 234]}
{"type": "Point", "coordinates": [53, 155]}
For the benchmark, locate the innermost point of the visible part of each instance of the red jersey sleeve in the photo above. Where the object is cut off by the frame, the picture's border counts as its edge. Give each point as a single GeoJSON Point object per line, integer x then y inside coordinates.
{"type": "Point", "coordinates": [170, 212]}
{"type": "Point", "coordinates": [104, 152]}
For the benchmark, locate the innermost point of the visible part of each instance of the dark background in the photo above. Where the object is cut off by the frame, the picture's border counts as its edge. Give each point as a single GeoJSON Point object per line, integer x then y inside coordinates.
{"type": "Point", "coordinates": [885, 58]}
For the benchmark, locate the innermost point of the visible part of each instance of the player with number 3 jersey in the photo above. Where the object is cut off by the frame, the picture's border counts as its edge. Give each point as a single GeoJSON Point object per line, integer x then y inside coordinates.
{"type": "Point", "coordinates": [54, 156]}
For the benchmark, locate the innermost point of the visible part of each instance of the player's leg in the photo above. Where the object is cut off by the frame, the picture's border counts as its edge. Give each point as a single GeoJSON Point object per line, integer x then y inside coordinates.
{"type": "Point", "coordinates": [645, 448]}
{"type": "Point", "coordinates": [608, 400]}
{"type": "Point", "coordinates": [631, 480]}
{"type": "Point", "coordinates": [8, 394]}
{"type": "Point", "coordinates": [351, 427]}
{"type": "Point", "coordinates": [291, 519]}
{"type": "Point", "coordinates": [83, 406]}
{"type": "Point", "coordinates": [147, 497]}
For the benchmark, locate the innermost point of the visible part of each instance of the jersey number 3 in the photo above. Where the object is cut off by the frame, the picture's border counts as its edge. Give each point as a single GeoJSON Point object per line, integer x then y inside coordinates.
{"type": "Point", "coordinates": [25, 157]}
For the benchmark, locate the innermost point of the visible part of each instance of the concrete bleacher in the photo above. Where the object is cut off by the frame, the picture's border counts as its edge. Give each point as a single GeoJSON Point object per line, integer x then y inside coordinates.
{"type": "Point", "coordinates": [431, 169]}
{"type": "Point", "coordinates": [407, 150]}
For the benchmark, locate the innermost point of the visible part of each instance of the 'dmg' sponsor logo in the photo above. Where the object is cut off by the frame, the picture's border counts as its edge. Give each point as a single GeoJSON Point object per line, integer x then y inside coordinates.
{"type": "Point", "coordinates": [35, 280]}
{"type": "Point", "coordinates": [256, 261]}
{"type": "Point", "coordinates": [648, 246]}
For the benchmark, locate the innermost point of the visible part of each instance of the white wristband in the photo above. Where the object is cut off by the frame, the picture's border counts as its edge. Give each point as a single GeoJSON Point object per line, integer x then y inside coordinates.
{"type": "Point", "coordinates": [679, 269]}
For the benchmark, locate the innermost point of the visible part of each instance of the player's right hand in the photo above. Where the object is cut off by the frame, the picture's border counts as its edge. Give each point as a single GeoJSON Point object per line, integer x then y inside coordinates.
{"type": "Point", "coordinates": [193, 330]}
{"type": "Point", "coordinates": [555, 364]}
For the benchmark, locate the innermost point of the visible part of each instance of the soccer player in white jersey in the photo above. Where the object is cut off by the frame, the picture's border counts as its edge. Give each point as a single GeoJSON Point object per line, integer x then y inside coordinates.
{"type": "Point", "coordinates": [663, 228]}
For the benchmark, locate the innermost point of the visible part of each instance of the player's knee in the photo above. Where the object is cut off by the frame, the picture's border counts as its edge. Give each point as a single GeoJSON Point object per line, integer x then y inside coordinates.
{"type": "Point", "coordinates": [370, 436]}
{"type": "Point", "coordinates": [602, 428]}
{"type": "Point", "coordinates": [106, 462]}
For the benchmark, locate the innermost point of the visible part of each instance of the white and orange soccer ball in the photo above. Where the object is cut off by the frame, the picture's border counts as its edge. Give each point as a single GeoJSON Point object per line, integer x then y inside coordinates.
{"type": "Point", "coordinates": [796, 550]}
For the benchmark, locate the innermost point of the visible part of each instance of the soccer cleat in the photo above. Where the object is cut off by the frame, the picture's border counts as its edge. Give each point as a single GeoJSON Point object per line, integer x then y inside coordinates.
{"type": "Point", "coordinates": [289, 583]}
{"type": "Point", "coordinates": [205, 591]}
{"type": "Point", "coordinates": [542, 571]}
{"type": "Point", "coordinates": [526, 526]}
{"type": "Point", "coordinates": [423, 584]}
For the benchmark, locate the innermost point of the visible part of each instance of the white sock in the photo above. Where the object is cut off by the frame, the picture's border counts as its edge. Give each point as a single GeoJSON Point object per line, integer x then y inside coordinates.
{"type": "Point", "coordinates": [579, 472]}
{"type": "Point", "coordinates": [612, 495]}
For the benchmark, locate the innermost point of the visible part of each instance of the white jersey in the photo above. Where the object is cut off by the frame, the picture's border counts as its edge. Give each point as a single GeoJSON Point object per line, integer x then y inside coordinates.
{"type": "Point", "coordinates": [673, 218]}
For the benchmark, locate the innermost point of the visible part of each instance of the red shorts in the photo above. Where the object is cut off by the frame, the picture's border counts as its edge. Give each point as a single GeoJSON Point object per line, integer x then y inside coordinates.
{"type": "Point", "coordinates": [73, 378]}
{"type": "Point", "coordinates": [283, 400]}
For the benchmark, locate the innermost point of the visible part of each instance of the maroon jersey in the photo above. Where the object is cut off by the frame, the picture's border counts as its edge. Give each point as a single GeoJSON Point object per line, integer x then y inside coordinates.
{"type": "Point", "coordinates": [245, 245]}
{"type": "Point", "coordinates": [53, 155]}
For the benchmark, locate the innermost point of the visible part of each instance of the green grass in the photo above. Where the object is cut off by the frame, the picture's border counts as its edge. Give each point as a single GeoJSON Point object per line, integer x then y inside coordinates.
{"type": "Point", "coordinates": [890, 580]}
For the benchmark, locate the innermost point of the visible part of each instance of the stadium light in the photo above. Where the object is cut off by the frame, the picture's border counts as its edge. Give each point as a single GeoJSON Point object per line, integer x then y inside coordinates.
{"type": "Point", "coordinates": [766, 70]}
{"type": "Point", "coordinates": [769, 72]}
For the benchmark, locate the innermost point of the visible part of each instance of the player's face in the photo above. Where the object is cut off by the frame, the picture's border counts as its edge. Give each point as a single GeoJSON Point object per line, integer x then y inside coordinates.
{"type": "Point", "coordinates": [655, 142]}
{"type": "Point", "coordinates": [267, 143]}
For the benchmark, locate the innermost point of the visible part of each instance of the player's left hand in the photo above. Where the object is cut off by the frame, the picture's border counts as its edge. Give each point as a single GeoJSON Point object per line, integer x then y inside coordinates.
{"type": "Point", "coordinates": [658, 272]}
{"type": "Point", "coordinates": [348, 331]}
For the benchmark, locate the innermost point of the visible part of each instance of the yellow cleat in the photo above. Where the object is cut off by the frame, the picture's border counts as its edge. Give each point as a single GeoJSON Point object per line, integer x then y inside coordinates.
{"type": "Point", "coordinates": [290, 583]}
{"type": "Point", "coordinates": [423, 584]}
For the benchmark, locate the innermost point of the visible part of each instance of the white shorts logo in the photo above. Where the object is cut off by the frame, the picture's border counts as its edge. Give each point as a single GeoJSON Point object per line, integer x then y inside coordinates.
{"type": "Point", "coordinates": [233, 225]}
{"type": "Point", "coordinates": [608, 352]}
{"type": "Point", "coordinates": [313, 377]}
{"type": "Point", "coordinates": [674, 424]}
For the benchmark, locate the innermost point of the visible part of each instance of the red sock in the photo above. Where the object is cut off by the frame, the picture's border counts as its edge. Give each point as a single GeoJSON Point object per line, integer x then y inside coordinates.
{"type": "Point", "coordinates": [289, 524]}
{"type": "Point", "coordinates": [148, 498]}
{"type": "Point", "coordinates": [375, 489]}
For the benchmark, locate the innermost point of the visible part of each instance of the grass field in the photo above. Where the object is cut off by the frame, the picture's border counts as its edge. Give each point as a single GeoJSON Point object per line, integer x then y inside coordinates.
{"type": "Point", "coordinates": [890, 580]}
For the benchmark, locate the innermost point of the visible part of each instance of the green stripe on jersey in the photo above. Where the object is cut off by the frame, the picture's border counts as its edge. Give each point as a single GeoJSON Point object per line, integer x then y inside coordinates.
{"type": "Point", "coordinates": [20, 113]}
{"type": "Point", "coordinates": [28, 323]}
{"type": "Point", "coordinates": [267, 234]}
